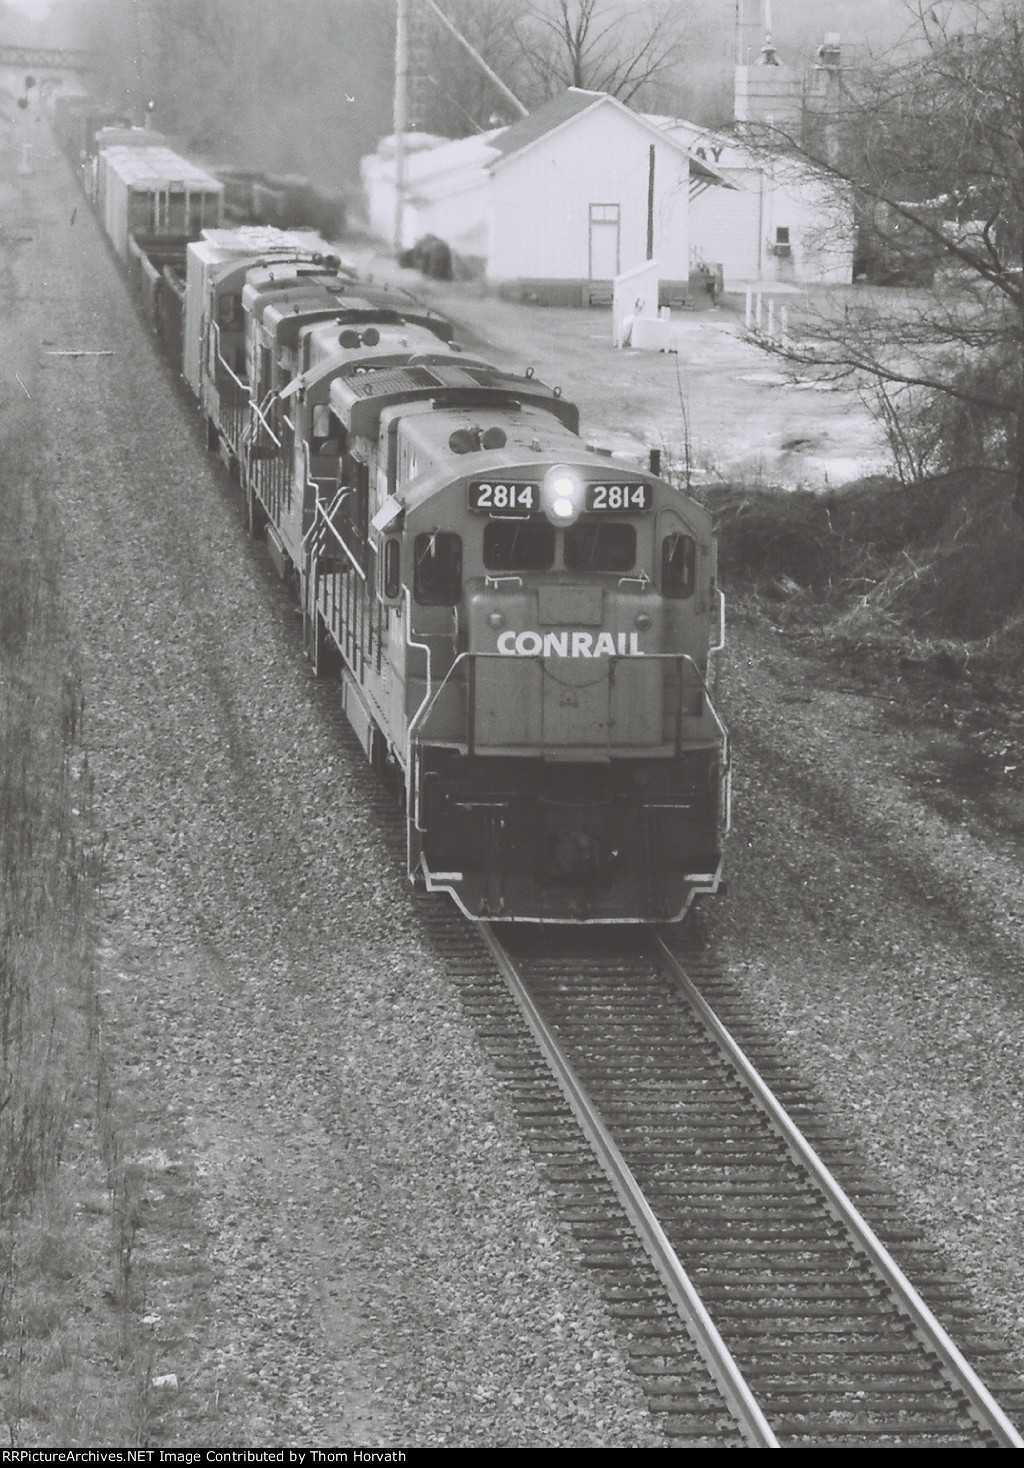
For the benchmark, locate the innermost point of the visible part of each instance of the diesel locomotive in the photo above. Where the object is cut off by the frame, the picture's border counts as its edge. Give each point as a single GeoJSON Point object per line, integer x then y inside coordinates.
{"type": "Point", "coordinates": [524, 627]}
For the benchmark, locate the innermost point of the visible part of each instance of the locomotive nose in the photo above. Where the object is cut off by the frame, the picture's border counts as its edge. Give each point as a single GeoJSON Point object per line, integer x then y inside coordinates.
{"type": "Point", "coordinates": [576, 854]}
{"type": "Point", "coordinates": [579, 856]}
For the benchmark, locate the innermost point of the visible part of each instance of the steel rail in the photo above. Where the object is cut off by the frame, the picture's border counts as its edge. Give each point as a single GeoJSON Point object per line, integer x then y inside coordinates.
{"type": "Point", "coordinates": [723, 1368]}
{"type": "Point", "coordinates": [986, 1408]}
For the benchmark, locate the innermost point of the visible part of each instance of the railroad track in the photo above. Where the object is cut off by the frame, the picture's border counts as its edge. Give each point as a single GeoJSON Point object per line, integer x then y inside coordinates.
{"type": "Point", "coordinates": [694, 1197]}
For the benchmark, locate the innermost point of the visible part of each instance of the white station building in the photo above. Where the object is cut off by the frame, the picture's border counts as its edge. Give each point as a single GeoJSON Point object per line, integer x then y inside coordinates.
{"type": "Point", "coordinates": [555, 206]}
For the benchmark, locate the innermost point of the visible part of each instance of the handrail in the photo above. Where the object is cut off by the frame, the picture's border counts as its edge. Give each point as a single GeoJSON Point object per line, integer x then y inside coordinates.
{"type": "Point", "coordinates": [717, 647]}
{"type": "Point", "coordinates": [241, 383]}
{"type": "Point", "coordinates": [308, 481]}
{"type": "Point", "coordinates": [659, 657]}
{"type": "Point", "coordinates": [259, 414]}
{"type": "Point", "coordinates": [321, 517]}
{"type": "Point", "coordinates": [412, 790]}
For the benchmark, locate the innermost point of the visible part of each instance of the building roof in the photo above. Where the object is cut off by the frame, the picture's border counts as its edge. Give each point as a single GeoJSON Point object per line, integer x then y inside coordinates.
{"type": "Point", "coordinates": [546, 118]}
{"type": "Point", "coordinates": [567, 106]}
{"type": "Point", "coordinates": [453, 156]}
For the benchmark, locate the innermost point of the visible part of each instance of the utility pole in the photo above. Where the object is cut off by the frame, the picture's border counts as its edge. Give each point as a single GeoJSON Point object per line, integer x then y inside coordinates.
{"type": "Point", "coordinates": [400, 116]}
{"type": "Point", "coordinates": [492, 76]}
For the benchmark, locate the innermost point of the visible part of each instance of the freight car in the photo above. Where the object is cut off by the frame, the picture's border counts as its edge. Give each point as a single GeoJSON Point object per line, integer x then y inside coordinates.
{"type": "Point", "coordinates": [523, 628]}
{"type": "Point", "coordinates": [288, 201]}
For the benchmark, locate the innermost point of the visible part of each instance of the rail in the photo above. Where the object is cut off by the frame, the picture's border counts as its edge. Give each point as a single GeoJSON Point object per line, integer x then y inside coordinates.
{"type": "Point", "coordinates": [938, 1341]}
{"type": "Point", "coordinates": [720, 1362]}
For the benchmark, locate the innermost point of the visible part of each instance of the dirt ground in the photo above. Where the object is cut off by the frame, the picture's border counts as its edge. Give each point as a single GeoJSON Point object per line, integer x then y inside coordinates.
{"type": "Point", "coordinates": [721, 406]}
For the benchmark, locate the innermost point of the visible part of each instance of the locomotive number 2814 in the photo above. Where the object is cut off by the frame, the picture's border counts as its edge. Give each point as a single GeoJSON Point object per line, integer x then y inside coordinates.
{"type": "Point", "coordinates": [504, 499]}
{"type": "Point", "coordinates": [619, 497]}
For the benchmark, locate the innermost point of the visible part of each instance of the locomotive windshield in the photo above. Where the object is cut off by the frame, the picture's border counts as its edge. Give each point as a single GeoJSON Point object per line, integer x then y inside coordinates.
{"type": "Point", "coordinates": [530, 545]}
{"type": "Point", "coordinates": [600, 545]}
{"type": "Point", "coordinates": [519, 545]}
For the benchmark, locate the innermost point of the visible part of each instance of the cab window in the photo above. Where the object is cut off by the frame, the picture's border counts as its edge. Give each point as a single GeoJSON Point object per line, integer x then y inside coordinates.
{"type": "Point", "coordinates": [392, 582]}
{"type": "Point", "coordinates": [600, 545]}
{"type": "Point", "coordinates": [437, 558]}
{"type": "Point", "coordinates": [229, 310]}
{"type": "Point", "coordinates": [519, 545]}
{"type": "Point", "coordinates": [324, 442]}
{"type": "Point", "coordinates": [678, 566]}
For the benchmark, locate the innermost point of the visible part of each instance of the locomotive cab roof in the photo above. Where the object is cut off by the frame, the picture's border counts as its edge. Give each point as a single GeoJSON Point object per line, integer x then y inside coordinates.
{"type": "Point", "coordinates": [359, 402]}
{"type": "Point", "coordinates": [487, 441]}
{"type": "Point", "coordinates": [266, 281]}
{"type": "Point", "coordinates": [328, 349]}
{"type": "Point", "coordinates": [267, 244]}
{"type": "Point", "coordinates": [260, 292]}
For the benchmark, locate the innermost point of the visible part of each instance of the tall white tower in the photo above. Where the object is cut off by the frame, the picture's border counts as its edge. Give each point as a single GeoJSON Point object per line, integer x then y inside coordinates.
{"type": "Point", "coordinates": [766, 92]}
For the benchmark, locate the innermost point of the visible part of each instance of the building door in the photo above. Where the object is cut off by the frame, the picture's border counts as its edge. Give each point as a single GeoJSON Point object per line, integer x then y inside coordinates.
{"type": "Point", "coordinates": [604, 241]}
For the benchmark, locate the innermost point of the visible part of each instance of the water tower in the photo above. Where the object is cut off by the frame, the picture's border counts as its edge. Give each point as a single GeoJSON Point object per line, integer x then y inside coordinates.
{"type": "Point", "coordinates": [767, 93]}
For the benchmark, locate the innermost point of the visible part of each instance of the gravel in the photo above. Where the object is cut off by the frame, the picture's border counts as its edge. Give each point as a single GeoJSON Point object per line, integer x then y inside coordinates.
{"type": "Point", "coordinates": [343, 1236]}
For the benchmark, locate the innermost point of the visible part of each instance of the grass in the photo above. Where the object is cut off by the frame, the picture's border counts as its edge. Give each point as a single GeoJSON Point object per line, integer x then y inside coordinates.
{"type": "Point", "coordinates": [72, 1368]}
{"type": "Point", "coordinates": [928, 575]}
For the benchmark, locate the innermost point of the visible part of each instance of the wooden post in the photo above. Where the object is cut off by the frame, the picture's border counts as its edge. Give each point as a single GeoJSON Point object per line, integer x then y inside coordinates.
{"type": "Point", "coordinates": [650, 203]}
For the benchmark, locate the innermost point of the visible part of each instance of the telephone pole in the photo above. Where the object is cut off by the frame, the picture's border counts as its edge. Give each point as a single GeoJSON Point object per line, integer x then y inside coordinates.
{"type": "Point", "coordinates": [400, 115]}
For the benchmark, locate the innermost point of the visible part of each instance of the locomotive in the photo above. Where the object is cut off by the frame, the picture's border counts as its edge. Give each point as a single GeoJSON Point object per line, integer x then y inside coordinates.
{"type": "Point", "coordinates": [523, 634]}
{"type": "Point", "coordinates": [523, 627]}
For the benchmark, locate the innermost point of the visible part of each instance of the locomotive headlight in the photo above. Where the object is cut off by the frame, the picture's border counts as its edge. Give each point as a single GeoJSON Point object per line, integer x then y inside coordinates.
{"type": "Point", "coordinates": [496, 619]}
{"type": "Point", "coordinates": [562, 495]}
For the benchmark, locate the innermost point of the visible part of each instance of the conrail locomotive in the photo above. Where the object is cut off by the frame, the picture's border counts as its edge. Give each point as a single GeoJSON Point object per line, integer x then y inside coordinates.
{"type": "Point", "coordinates": [523, 626]}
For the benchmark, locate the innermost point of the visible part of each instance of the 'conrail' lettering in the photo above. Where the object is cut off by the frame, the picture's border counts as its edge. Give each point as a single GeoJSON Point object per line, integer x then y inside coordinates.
{"type": "Point", "coordinates": [570, 645]}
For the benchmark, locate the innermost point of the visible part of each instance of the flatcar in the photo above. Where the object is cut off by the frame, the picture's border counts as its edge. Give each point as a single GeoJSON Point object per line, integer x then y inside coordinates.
{"type": "Point", "coordinates": [523, 627]}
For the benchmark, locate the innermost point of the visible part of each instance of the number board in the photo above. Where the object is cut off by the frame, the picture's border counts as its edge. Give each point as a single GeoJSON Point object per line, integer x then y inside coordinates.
{"type": "Point", "coordinates": [504, 499]}
{"type": "Point", "coordinates": [619, 498]}
{"type": "Point", "coordinates": [521, 498]}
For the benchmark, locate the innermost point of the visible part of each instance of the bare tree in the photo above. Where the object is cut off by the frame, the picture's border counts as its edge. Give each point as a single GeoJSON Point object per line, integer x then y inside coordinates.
{"type": "Point", "coordinates": [457, 96]}
{"type": "Point", "coordinates": [933, 143]}
{"type": "Point", "coordinates": [604, 46]}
